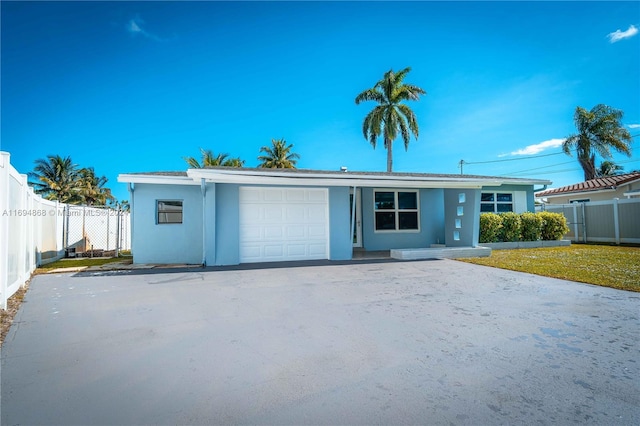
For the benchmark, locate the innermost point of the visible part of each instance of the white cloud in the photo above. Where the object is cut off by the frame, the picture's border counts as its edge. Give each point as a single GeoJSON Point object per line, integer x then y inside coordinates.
{"type": "Point", "coordinates": [134, 26]}
{"type": "Point", "coordinates": [539, 147]}
{"type": "Point", "coordinates": [618, 35]}
{"type": "Point", "coordinates": [633, 126]}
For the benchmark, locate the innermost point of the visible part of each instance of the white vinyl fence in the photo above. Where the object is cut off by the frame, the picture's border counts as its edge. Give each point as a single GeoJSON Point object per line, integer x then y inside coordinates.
{"type": "Point", "coordinates": [613, 221]}
{"type": "Point", "coordinates": [35, 231]}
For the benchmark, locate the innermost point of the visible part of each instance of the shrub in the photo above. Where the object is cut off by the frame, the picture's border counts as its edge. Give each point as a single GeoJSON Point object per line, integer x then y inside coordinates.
{"type": "Point", "coordinates": [490, 224]}
{"type": "Point", "coordinates": [554, 225]}
{"type": "Point", "coordinates": [511, 227]}
{"type": "Point", "coordinates": [531, 226]}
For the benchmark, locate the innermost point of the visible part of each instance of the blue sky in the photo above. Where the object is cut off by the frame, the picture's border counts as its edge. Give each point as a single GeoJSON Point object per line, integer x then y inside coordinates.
{"type": "Point", "coordinates": [135, 86]}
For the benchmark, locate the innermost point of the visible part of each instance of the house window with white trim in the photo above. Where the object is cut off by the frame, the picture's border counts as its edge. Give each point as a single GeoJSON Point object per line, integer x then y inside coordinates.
{"type": "Point", "coordinates": [169, 211]}
{"type": "Point", "coordinates": [396, 211]}
{"type": "Point", "coordinates": [496, 202]}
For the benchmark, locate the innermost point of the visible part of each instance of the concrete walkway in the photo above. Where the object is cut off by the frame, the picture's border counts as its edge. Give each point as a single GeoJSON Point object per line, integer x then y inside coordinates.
{"type": "Point", "coordinates": [368, 342]}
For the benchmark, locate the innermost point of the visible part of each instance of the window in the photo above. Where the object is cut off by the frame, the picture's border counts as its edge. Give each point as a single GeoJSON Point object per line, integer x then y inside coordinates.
{"type": "Point", "coordinates": [396, 210]}
{"type": "Point", "coordinates": [583, 200]}
{"type": "Point", "coordinates": [496, 202]}
{"type": "Point", "coordinates": [169, 211]}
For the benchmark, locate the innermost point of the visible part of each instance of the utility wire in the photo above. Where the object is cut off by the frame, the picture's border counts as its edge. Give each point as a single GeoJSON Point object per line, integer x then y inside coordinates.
{"type": "Point", "coordinates": [461, 163]}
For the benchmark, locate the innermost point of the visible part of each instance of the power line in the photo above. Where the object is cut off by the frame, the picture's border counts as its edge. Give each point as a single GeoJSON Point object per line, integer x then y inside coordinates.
{"type": "Point", "coordinates": [461, 163]}
{"type": "Point", "coordinates": [510, 159]}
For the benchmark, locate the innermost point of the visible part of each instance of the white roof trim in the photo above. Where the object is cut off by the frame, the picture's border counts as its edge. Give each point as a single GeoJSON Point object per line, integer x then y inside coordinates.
{"type": "Point", "coordinates": [257, 177]}
{"type": "Point", "coordinates": [349, 179]}
{"type": "Point", "coordinates": [157, 179]}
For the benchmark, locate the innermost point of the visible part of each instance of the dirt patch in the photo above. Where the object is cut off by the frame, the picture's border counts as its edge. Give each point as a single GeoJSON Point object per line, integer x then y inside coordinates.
{"type": "Point", "coordinates": [7, 316]}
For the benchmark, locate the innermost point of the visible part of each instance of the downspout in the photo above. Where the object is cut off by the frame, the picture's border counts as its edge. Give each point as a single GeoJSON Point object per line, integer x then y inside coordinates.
{"type": "Point", "coordinates": [353, 218]}
{"type": "Point", "coordinates": [203, 189]}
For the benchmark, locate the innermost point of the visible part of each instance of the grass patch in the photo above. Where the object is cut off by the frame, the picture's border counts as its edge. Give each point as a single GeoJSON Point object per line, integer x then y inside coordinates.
{"type": "Point", "coordinates": [70, 263]}
{"type": "Point", "coordinates": [608, 266]}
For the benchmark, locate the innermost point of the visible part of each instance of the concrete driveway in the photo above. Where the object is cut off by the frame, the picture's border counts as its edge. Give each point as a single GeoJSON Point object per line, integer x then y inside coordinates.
{"type": "Point", "coordinates": [385, 342]}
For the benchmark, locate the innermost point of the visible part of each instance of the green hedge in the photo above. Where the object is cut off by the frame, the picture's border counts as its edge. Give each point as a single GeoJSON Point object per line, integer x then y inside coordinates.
{"type": "Point", "coordinates": [511, 227]}
{"type": "Point", "coordinates": [490, 224]}
{"type": "Point", "coordinates": [554, 226]}
{"type": "Point", "coordinates": [507, 227]}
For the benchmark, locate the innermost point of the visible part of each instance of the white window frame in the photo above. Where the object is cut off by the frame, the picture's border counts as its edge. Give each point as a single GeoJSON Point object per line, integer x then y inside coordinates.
{"type": "Point", "coordinates": [495, 201]}
{"type": "Point", "coordinates": [396, 210]}
{"type": "Point", "coordinates": [159, 222]}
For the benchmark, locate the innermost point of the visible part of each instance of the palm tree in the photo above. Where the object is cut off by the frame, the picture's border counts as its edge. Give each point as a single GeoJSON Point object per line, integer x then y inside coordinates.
{"type": "Point", "coordinates": [91, 188]}
{"type": "Point", "coordinates": [209, 159]}
{"type": "Point", "coordinates": [608, 168]}
{"type": "Point", "coordinates": [599, 131]}
{"type": "Point", "coordinates": [56, 178]}
{"type": "Point", "coordinates": [391, 115]}
{"type": "Point", "coordinates": [278, 155]}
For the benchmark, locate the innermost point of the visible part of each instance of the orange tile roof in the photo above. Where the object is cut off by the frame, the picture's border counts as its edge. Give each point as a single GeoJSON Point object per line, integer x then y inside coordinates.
{"type": "Point", "coordinates": [597, 184]}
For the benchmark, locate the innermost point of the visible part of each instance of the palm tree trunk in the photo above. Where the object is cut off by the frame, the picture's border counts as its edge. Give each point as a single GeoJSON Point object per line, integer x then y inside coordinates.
{"type": "Point", "coordinates": [589, 167]}
{"type": "Point", "coordinates": [388, 144]}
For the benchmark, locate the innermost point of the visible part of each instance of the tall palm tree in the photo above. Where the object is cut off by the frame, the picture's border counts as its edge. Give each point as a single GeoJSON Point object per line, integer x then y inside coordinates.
{"type": "Point", "coordinates": [608, 168]}
{"type": "Point", "coordinates": [278, 155]}
{"type": "Point", "coordinates": [599, 131]}
{"type": "Point", "coordinates": [91, 189]}
{"type": "Point", "coordinates": [56, 178]}
{"type": "Point", "coordinates": [209, 159]}
{"type": "Point", "coordinates": [391, 115]}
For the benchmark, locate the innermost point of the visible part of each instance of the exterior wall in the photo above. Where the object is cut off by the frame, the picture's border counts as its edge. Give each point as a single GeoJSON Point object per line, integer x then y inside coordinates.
{"type": "Point", "coordinates": [462, 217]}
{"type": "Point", "coordinates": [210, 228]}
{"type": "Point", "coordinates": [167, 243]}
{"type": "Point", "coordinates": [227, 224]}
{"type": "Point", "coordinates": [431, 231]}
{"type": "Point", "coordinates": [340, 240]}
{"type": "Point", "coordinates": [523, 196]}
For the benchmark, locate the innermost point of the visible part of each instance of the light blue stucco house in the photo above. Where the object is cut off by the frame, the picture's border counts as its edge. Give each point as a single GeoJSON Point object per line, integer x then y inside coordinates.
{"type": "Point", "coordinates": [228, 216]}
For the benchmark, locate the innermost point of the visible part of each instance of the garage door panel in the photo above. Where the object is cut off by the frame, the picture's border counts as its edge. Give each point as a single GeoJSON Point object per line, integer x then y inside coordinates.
{"type": "Point", "coordinates": [273, 194]}
{"type": "Point", "coordinates": [294, 231]}
{"type": "Point", "coordinates": [275, 250]}
{"type": "Point", "coordinates": [317, 232]}
{"type": "Point", "coordinates": [295, 195]}
{"type": "Point", "coordinates": [317, 249]}
{"type": "Point", "coordinates": [250, 233]}
{"type": "Point", "coordinates": [283, 224]}
{"type": "Point", "coordinates": [317, 216]}
{"type": "Point", "coordinates": [249, 252]}
{"type": "Point", "coordinates": [272, 213]}
{"type": "Point", "coordinates": [296, 250]}
{"type": "Point", "coordinates": [317, 196]}
{"type": "Point", "coordinates": [273, 232]}
{"type": "Point", "coordinates": [250, 194]}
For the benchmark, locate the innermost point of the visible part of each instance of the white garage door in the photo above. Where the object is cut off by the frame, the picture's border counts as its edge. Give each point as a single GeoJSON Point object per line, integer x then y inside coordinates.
{"type": "Point", "coordinates": [279, 224]}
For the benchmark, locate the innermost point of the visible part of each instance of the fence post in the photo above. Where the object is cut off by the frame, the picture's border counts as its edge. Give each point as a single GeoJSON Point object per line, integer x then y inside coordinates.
{"type": "Point", "coordinates": [576, 235]}
{"type": "Point", "coordinates": [584, 223]}
{"type": "Point", "coordinates": [4, 227]}
{"type": "Point", "coordinates": [118, 232]}
{"type": "Point", "coordinates": [616, 220]}
{"type": "Point", "coordinates": [65, 232]}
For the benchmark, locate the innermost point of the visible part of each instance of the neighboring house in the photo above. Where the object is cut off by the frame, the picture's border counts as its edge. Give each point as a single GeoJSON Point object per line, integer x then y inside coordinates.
{"type": "Point", "coordinates": [599, 189]}
{"type": "Point", "coordinates": [227, 216]}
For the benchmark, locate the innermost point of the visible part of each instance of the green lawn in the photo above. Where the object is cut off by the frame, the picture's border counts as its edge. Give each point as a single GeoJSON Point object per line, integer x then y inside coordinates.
{"type": "Point", "coordinates": [609, 266]}
{"type": "Point", "coordinates": [84, 261]}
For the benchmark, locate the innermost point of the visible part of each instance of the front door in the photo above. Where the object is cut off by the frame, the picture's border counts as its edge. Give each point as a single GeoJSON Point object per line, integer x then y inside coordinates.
{"type": "Point", "coordinates": [357, 229]}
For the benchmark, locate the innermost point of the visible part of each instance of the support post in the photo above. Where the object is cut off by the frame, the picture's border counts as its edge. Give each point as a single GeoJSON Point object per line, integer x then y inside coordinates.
{"type": "Point", "coordinates": [353, 217]}
{"type": "Point", "coordinates": [203, 189]}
